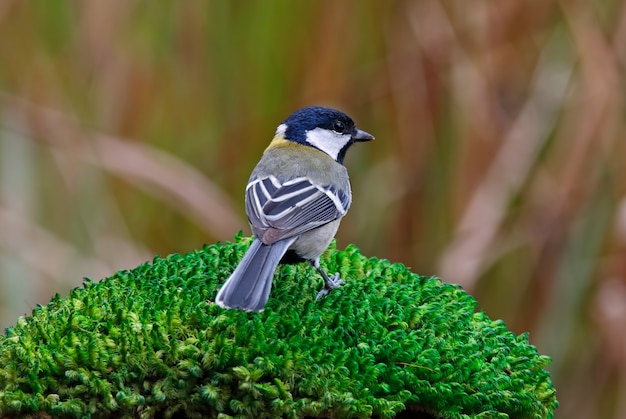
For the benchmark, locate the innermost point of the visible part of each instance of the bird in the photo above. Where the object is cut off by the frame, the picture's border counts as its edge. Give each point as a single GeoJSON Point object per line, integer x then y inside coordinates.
{"type": "Point", "coordinates": [295, 199]}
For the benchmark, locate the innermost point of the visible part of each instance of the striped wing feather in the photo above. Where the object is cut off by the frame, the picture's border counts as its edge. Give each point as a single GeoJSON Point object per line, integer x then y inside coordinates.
{"type": "Point", "coordinates": [279, 210]}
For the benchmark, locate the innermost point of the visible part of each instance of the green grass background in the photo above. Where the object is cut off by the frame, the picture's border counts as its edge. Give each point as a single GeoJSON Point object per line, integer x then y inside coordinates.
{"type": "Point", "coordinates": [129, 129]}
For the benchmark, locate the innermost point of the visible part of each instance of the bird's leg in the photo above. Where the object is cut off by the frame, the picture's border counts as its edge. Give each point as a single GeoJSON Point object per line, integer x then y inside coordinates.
{"type": "Point", "coordinates": [329, 283]}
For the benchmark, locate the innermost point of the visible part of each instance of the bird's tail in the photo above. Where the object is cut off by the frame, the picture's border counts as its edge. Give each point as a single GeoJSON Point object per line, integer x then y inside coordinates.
{"type": "Point", "coordinates": [248, 287]}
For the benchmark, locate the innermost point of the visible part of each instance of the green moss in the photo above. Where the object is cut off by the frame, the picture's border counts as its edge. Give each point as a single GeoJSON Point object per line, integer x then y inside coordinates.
{"type": "Point", "coordinates": [150, 342]}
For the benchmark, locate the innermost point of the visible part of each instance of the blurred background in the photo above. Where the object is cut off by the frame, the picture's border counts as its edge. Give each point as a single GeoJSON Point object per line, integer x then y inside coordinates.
{"type": "Point", "coordinates": [129, 128]}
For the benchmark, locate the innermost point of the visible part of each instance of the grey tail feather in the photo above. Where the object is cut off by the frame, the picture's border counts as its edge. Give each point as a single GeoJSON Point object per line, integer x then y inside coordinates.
{"type": "Point", "coordinates": [248, 287]}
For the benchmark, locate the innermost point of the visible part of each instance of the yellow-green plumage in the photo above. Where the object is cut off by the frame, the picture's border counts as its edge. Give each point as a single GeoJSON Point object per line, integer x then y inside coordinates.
{"type": "Point", "coordinates": [287, 159]}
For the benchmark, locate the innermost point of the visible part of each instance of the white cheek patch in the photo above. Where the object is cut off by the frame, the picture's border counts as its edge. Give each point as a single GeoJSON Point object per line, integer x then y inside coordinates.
{"type": "Point", "coordinates": [330, 142]}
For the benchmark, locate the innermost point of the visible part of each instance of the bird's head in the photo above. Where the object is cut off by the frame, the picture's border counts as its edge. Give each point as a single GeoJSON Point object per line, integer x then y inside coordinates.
{"type": "Point", "coordinates": [325, 129]}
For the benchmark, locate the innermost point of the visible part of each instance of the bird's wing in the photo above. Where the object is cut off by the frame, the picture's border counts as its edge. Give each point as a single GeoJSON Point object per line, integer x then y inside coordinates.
{"type": "Point", "coordinates": [278, 210]}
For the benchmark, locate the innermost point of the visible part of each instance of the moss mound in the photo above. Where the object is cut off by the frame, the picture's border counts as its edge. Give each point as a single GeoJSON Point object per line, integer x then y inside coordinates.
{"type": "Point", "coordinates": [149, 342]}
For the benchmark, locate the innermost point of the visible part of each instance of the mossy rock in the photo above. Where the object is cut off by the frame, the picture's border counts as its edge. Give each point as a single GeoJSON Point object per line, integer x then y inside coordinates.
{"type": "Point", "coordinates": [150, 342]}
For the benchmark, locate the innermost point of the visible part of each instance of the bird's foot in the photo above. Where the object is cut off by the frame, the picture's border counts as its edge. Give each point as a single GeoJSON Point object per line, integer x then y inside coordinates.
{"type": "Point", "coordinates": [330, 283]}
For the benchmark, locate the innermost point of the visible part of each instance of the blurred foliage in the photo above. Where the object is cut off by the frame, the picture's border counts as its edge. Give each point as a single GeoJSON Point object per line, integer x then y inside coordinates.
{"type": "Point", "coordinates": [150, 342]}
{"type": "Point", "coordinates": [129, 129]}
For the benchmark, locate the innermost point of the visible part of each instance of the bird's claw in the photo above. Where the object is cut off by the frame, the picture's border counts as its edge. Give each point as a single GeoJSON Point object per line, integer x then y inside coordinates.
{"type": "Point", "coordinates": [329, 285]}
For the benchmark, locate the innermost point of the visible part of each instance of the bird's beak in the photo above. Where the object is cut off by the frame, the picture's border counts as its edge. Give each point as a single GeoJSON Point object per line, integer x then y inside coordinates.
{"type": "Point", "coordinates": [362, 136]}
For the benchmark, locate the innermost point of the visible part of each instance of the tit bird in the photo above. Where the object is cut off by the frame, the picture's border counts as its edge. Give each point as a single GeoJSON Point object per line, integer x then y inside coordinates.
{"type": "Point", "coordinates": [295, 199]}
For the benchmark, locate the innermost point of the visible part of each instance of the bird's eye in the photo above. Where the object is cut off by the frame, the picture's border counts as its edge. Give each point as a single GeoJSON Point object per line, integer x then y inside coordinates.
{"type": "Point", "coordinates": [339, 127]}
